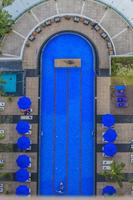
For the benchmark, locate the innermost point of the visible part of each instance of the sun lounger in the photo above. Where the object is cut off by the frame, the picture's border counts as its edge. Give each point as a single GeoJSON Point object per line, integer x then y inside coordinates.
{"type": "Point", "coordinates": [76, 19]}
{"type": "Point", "coordinates": [32, 38]}
{"type": "Point", "coordinates": [103, 140]}
{"type": "Point", "coordinates": [27, 117]}
{"type": "Point", "coordinates": [38, 30]}
{"type": "Point", "coordinates": [103, 35]}
{"type": "Point", "coordinates": [29, 180]}
{"type": "Point", "coordinates": [120, 90]}
{"type": "Point", "coordinates": [104, 155]}
{"type": "Point", "coordinates": [132, 156]}
{"type": "Point", "coordinates": [2, 108]}
{"type": "Point", "coordinates": [48, 22]}
{"type": "Point", "coordinates": [57, 19]}
{"type": "Point", "coordinates": [29, 165]}
{"type": "Point", "coordinates": [106, 167]}
{"type": "Point", "coordinates": [97, 27]}
{"type": "Point", "coordinates": [1, 190]}
{"type": "Point", "coordinates": [132, 146]}
{"type": "Point", "coordinates": [121, 99]}
{"type": "Point", "coordinates": [1, 185]}
{"type": "Point", "coordinates": [120, 93]}
{"type": "Point", "coordinates": [121, 104]}
{"type": "Point", "coordinates": [1, 161]}
{"type": "Point", "coordinates": [2, 104]}
{"type": "Point", "coordinates": [29, 132]}
{"type": "Point", "coordinates": [2, 131]}
{"type": "Point", "coordinates": [29, 149]}
{"type": "Point", "coordinates": [30, 126]}
{"type": "Point", "coordinates": [107, 162]}
{"type": "Point", "coordinates": [86, 22]}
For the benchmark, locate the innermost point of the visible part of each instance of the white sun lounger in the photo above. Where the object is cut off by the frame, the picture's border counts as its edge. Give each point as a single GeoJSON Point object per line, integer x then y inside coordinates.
{"type": "Point", "coordinates": [106, 167]}
{"type": "Point", "coordinates": [1, 161]}
{"type": "Point", "coordinates": [132, 156]}
{"type": "Point", "coordinates": [2, 108]}
{"type": "Point", "coordinates": [2, 131]}
{"type": "Point", "coordinates": [1, 185]}
{"type": "Point", "coordinates": [27, 117]}
{"type": "Point", "coordinates": [107, 162]}
{"type": "Point", "coordinates": [1, 190]}
{"type": "Point", "coordinates": [2, 104]}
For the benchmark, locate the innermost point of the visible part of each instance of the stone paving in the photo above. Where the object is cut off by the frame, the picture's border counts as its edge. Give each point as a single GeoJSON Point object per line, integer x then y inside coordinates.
{"type": "Point", "coordinates": [45, 10]}
{"type": "Point", "coordinates": [12, 44]}
{"type": "Point", "coordinates": [110, 20]}
{"type": "Point", "coordinates": [113, 23]}
{"type": "Point", "coordinates": [32, 87]}
{"type": "Point", "coordinates": [94, 10]}
{"type": "Point", "coordinates": [70, 6]}
{"type": "Point", "coordinates": [25, 26]}
{"type": "Point", "coordinates": [30, 57]}
{"type": "Point", "coordinates": [124, 43]}
{"type": "Point", "coordinates": [103, 95]}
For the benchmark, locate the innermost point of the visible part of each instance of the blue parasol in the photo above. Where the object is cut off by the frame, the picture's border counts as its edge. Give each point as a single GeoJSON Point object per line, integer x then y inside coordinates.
{"type": "Point", "coordinates": [108, 190]}
{"type": "Point", "coordinates": [22, 175]}
{"type": "Point", "coordinates": [24, 103]}
{"type": "Point", "coordinates": [23, 161]}
{"type": "Point", "coordinates": [23, 143]}
{"type": "Point", "coordinates": [110, 135]}
{"type": "Point", "coordinates": [110, 149]}
{"type": "Point", "coordinates": [22, 190]}
{"type": "Point", "coordinates": [108, 120]}
{"type": "Point", "coordinates": [22, 127]}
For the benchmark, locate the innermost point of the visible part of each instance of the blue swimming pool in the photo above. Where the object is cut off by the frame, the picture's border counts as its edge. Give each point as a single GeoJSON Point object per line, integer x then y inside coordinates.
{"type": "Point", "coordinates": [8, 82]}
{"type": "Point", "coordinates": [67, 147]}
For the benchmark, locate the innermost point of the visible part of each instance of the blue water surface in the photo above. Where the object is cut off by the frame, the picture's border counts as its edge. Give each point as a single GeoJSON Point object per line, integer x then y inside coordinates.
{"type": "Point", "coordinates": [9, 84]}
{"type": "Point", "coordinates": [67, 117]}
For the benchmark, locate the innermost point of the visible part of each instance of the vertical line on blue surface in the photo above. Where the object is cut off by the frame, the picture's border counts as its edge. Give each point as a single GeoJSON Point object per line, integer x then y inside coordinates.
{"type": "Point", "coordinates": [67, 127]}
{"type": "Point", "coordinates": [54, 133]}
{"type": "Point", "coordinates": [80, 167]}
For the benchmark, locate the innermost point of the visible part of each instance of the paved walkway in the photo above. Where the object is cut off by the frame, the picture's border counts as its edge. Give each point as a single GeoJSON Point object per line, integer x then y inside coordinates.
{"type": "Point", "coordinates": [120, 34]}
{"type": "Point", "coordinates": [123, 7]}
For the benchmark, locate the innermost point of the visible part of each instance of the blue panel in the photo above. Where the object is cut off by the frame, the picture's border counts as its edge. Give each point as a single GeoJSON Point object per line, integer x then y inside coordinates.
{"type": "Point", "coordinates": [10, 82]}
{"type": "Point", "coordinates": [74, 133]}
{"type": "Point", "coordinates": [60, 149]}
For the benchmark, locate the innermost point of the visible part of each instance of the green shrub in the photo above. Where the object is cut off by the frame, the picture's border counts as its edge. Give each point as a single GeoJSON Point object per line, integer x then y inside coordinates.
{"type": "Point", "coordinates": [6, 2]}
{"type": "Point", "coordinates": [1, 165]}
{"type": "Point", "coordinates": [2, 136]}
{"type": "Point", "coordinates": [5, 22]}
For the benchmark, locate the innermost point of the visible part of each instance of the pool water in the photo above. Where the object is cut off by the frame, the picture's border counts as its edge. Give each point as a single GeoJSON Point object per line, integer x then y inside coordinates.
{"type": "Point", "coordinates": [9, 82]}
{"type": "Point", "coordinates": [67, 145]}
